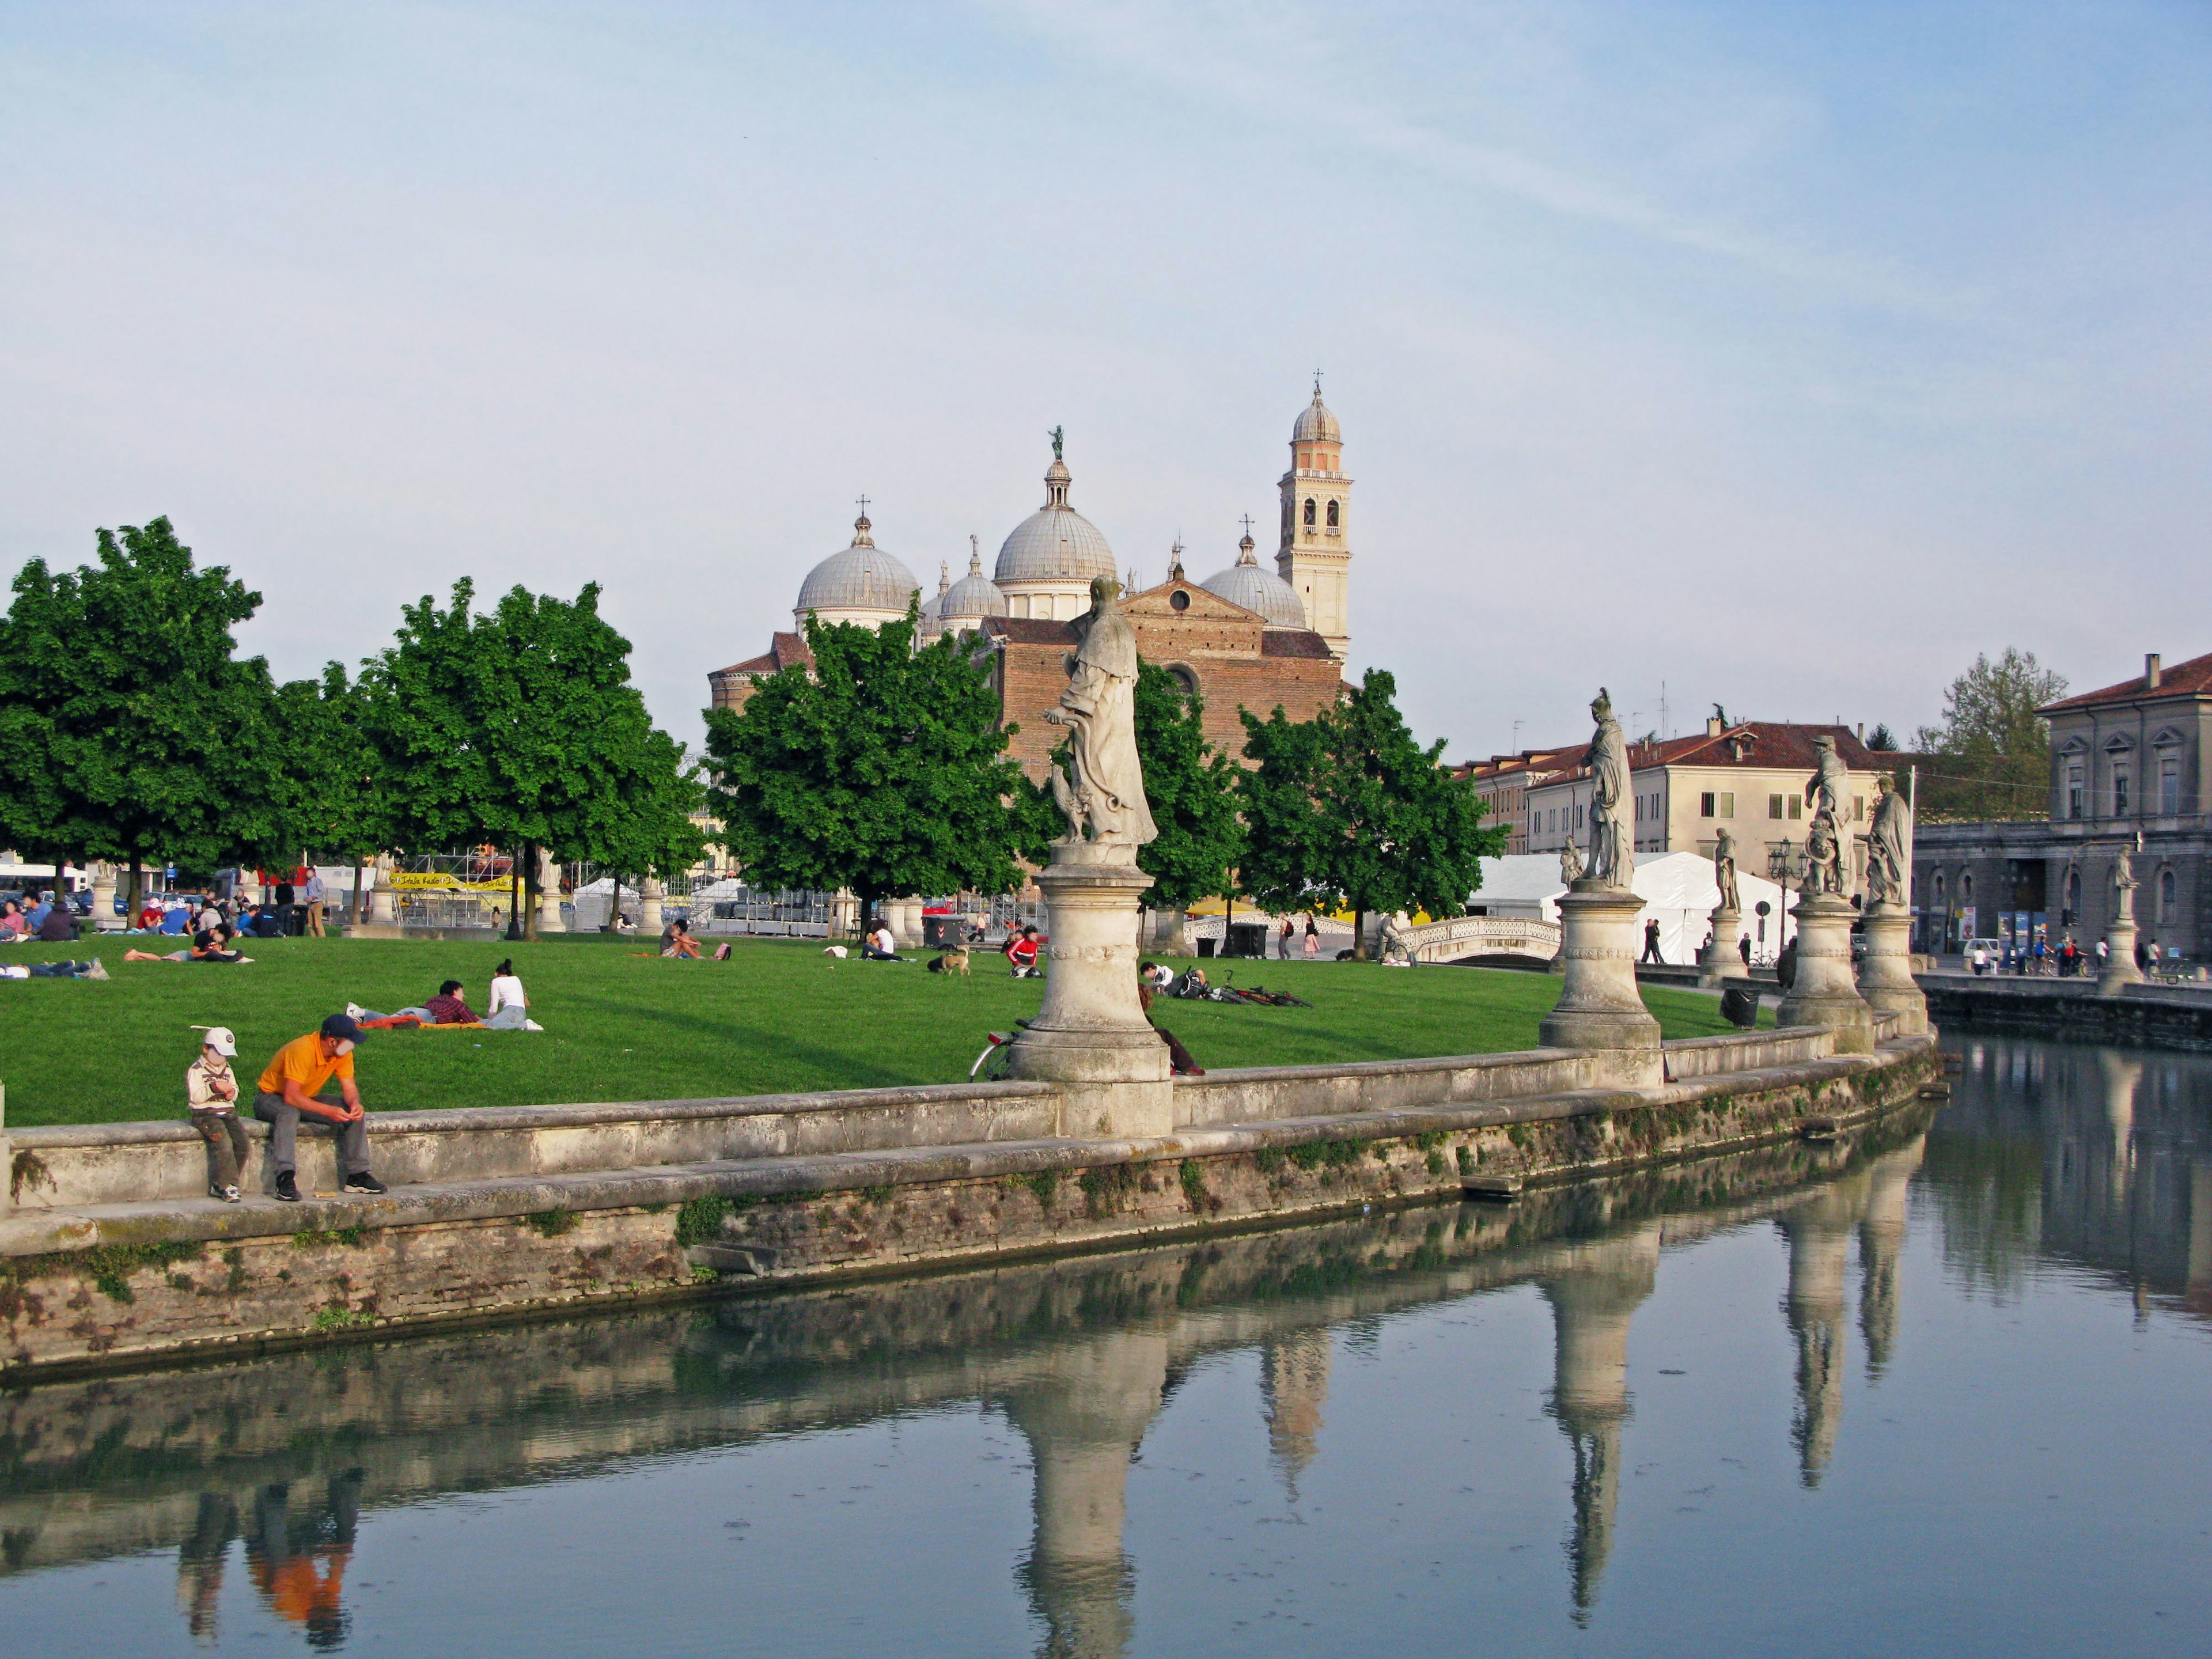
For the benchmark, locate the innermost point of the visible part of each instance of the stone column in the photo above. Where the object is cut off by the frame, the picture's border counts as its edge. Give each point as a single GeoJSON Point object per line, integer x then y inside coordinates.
{"type": "Point", "coordinates": [1886, 975]}
{"type": "Point", "coordinates": [1825, 992]}
{"type": "Point", "coordinates": [1091, 1035]}
{"type": "Point", "coordinates": [383, 901]}
{"type": "Point", "coordinates": [1600, 1007]}
{"type": "Point", "coordinates": [103, 901]}
{"type": "Point", "coordinates": [1719, 959]}
{"type": "Point", "coordinates": [2120, 968]}
{"type": "Point", "coordinates": [549, 895]}
{"type": "Point", "coordinates": [650, 892]}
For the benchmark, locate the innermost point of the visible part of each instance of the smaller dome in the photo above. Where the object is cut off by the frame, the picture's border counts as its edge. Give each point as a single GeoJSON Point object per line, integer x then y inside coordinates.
{"type": "Point", "coordinates": [933, 607]}
{"type": "Point", "coordinates": [862, 577]}
{"type": "Point", "coordinates": [1315, 424]}
{"type": "Point", "coordinates": [973, 597]}
{"type": "Point", "coordinates": [1246, 584]}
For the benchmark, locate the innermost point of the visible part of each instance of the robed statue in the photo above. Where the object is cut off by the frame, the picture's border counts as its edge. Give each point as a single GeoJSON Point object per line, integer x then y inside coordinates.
{"type": "Point", "coordinates": [1101, 793]}
{"type": "Point", "coordinates": [1571, 864]}
{"type": "Point", "coordinates": [1612, 855]}
{"type": "Point", "coordinates": [1827, 845]}
{"type": "Point", "coordinates": [1724, 869]}
{"type": "Point", "coordinates": [1889, 847]}
{"type": "Point", "coordinates": [2124, 879]}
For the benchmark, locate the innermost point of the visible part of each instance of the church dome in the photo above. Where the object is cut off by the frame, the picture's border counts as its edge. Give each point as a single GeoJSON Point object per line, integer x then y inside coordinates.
{"type": "Point", "coordinates": [1246, 584]}
{"type": "Point", "coordinates": [973, 598]}
{"type": "Point", "coordinates": [1055, 542]}
{"type": "Point", "coordinates": [1315, 424]}
{"type": "Point", "coordinates": [862, 578]}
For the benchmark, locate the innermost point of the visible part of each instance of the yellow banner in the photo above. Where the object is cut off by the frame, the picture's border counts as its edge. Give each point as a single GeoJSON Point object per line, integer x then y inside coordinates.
{"type": "Point", "coordinates": [421, 881]}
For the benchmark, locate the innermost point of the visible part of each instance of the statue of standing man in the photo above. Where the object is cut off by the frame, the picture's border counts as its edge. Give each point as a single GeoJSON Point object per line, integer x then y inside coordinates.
{"type": "Point", "coordinates": [1827, 844]}
{"type": "Point", "coordinates": [1724, 869]}
{"type": "Point", "coordinates": [1613, 856]}
{"type": "Point", "coordinates": [1103, 792]}
{"type": "Point", "coordinates": [1889, 847]}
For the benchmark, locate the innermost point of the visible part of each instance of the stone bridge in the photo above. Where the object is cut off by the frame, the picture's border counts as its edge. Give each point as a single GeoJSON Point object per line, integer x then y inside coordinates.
{"type": "Point", "coordinates": [1481, 936]}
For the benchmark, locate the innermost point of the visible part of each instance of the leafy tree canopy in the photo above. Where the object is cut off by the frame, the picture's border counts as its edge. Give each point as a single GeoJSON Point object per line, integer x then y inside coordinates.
{"type": "Point", "coordinates": [1192, 787]}
{"type": "Point", "coordinates": [1347, 810]}
{"type": "Point", "coordinates": [883, 770]}
{"type": "Point", "coordinates": [1990, 755]}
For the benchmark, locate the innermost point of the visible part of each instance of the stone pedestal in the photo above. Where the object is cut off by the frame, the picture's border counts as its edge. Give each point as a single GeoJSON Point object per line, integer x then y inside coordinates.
{"type": "Point", "coordinates": [2119, 957]}
{"type": "Point", "coordinates": [650, 893]}
{"type": "Point", "coordinates": [1825, 992]}
{"type": "Point", "coordinates": [103, 901]}
{"type": "Point", "coordinates": [383, 906]}
{"type": "Point", "coordinates": [1719, 959]}
{"type": "Point", "coordinates": [1599, 1006]}
{"type": "Point", "coordinates": [1885, 973]}
{"type": "Point", "coordinates": [1091, 1035]}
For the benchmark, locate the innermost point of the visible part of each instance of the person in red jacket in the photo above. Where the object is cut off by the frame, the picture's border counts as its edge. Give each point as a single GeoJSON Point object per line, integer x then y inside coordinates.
{"type": "Point", "coordinates": [1022, 952]}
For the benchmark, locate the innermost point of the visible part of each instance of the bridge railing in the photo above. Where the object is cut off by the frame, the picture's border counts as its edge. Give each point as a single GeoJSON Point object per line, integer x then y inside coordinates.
{"type": "Point", "coordinates": [1475, 936]}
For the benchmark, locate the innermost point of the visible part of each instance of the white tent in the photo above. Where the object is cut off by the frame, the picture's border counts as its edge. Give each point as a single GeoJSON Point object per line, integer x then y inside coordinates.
{"type": "Point", "coordinates": [1677, 888]}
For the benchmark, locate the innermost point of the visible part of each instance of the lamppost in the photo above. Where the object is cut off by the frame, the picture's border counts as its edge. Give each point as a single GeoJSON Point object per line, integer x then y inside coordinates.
{"type": "Point", "coordinates": [1783, 869]}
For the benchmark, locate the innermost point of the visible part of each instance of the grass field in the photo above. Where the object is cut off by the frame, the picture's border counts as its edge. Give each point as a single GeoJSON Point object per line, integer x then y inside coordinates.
{"type": "Point", "coordinates": [621, 1026]}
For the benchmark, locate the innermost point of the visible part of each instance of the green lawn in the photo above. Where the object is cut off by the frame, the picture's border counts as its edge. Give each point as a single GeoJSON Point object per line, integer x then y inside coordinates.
{"type": "Point", "coordinates": [619, 1026]}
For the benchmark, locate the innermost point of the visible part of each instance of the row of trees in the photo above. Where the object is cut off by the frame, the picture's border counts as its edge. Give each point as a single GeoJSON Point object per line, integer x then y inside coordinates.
{"type": "Point", "coordinates": [885, 770]}
{"type": "Point", "coordinates": [133, 732]}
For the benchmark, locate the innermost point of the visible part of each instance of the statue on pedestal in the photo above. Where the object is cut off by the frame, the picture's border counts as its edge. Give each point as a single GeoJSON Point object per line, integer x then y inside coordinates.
{"type": "Point", "coordinates": [1101, 793]}
{"type": "Point", "coordinates": [2124, 879]}
{"type": "Point", "coordinates": [1570, 863]}
{"type": "Point", "coordinates": [1826, 844]}
{"type": "Point", "coordinates": [1889, 847]}
{"type": "Point", "coordinates": [1612, 856]}
{"type": "Point", "coordinates": [1724, 869]}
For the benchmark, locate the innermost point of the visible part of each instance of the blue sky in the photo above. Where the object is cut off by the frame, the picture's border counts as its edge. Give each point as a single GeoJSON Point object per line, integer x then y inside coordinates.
{"type": "Point", "coordinates": [1786, 354]}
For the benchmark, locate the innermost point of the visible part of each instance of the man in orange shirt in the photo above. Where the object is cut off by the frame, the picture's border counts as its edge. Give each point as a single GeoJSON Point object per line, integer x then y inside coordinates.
{"type": "Point", "coordinates": [290, 1089]}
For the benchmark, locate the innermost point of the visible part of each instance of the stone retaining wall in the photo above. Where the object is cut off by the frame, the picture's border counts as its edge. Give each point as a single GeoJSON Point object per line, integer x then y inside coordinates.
{"type": "Point", "coordinates": [500, 1231]}
{"type": "Point", "coordinates": [2141, 1016]}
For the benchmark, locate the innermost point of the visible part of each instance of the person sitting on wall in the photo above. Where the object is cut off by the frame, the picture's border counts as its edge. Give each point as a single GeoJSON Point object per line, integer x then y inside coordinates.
{"type": "Point", "coordinates": [291, 1088]}
{"type": "Point", "coordinates": [1022, 953]}
{"type": "Point", "coordinates": [211, 1100]}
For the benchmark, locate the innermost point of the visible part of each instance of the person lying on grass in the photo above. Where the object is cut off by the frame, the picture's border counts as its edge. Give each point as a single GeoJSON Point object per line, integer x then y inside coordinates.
{"type": "Point", "coordinates": [208, 945]}
{"type": "Point", "coordinates": [292, 1088]}
{"type": "Point", "coordinates": [55, 970]}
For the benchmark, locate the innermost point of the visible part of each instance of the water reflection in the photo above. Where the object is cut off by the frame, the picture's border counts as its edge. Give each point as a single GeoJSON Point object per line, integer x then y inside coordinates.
{"type": "Point", "coordinates": [2099, 1159]}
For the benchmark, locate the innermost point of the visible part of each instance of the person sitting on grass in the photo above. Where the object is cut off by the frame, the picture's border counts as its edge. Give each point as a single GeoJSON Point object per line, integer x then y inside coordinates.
{"type": "Point", "coordinates": [211, 1101]}
{"type": "Point", "coordinates": [292, 1088]}
{"type": "Point", "coordinates": [12, 925]}
{"type": "Point", "coordinates": [676, 940]}
{"type": "Point", "coordinates": [508, 1001]}
{"type": "Point", "coordinates": [879, 944]}
{"type": "Point", "coordinates": [59, 925]}
{"type": "Point", "coordinates": [1022, 953]}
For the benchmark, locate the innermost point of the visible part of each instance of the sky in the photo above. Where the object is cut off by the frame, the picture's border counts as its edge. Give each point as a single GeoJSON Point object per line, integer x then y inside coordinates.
{"type": "Point", "coordinates": [1780, 356]}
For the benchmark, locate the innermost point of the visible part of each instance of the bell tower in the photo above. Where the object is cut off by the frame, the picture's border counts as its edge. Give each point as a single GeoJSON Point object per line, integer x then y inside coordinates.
{"type": "Point", "coordinates": [1316, 555]}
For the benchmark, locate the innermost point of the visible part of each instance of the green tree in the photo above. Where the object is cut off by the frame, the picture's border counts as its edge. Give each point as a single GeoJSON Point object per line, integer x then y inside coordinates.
{"type": "Point", "coordinates": [332, 797]}
{"type": "Point", "coordinates": [1991, 757]}
{"type": "Point", "coordinates": [883, 770]}
{"type": "Point", "coordinates": [1346, 809]}
{"type": "Point", "coordinates": [1192, 787]}
{"type": "Point", "coordinates": [520, 728]}
{"type": "Point", "coordinates": [128, 724]}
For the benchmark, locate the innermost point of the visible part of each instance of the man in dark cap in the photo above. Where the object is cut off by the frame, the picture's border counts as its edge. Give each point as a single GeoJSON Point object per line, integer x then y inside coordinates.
{"type": "Point", "coordinates": [291, 1088]}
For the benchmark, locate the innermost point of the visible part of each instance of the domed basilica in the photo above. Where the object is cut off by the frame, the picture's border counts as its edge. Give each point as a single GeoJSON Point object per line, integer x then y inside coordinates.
{"type": "Point", "coordinates": [1246, 637]}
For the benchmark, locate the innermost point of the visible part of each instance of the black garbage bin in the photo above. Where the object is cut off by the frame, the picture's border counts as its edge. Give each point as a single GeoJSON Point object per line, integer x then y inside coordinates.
{"type": "Point", "coordinates": [1247, 939]}
{"type": "Point", "coordinates": [939, 933]}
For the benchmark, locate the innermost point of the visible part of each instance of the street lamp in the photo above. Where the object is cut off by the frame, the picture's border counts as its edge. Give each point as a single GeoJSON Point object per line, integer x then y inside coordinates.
{"type": "Point", "coordinates": [1783, 868]}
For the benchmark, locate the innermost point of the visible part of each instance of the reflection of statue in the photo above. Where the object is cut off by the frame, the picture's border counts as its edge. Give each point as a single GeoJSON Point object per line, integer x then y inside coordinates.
{"type": "Point", "coordinates": [1825, 843]}
{"type": "Point", "coordinates": [1612, 857]}
{"type": "Point", "coordinates": [1724, 869]}
{"type": "Point", "coordinates": [1889, 847]}
{"type": "Point", "coordinates": [1103, 792]}
{"type": "Point", "coordinates": [1570, 863]}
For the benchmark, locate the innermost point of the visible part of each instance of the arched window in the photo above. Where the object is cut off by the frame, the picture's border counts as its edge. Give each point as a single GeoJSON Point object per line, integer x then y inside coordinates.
{"type": "Point", "coordinates": [1966, 889]}
{"type": "Point", "coordinates": [2074, 894]}
{"type": "Point", "coordinates": [1309, 513]}
{"type": "Point", "coordinates": [2165, 906]}
{"type": "Point", "coordinates": [1186, 677]}
{"type": "Point", "coordinates": [1332, 515]}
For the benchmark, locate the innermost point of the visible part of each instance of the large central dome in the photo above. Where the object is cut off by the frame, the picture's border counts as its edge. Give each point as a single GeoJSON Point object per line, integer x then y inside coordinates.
{"type": "Point", "coordinates": [1055, 544]}
{"type": "Point", "coordinates": [862, 584]}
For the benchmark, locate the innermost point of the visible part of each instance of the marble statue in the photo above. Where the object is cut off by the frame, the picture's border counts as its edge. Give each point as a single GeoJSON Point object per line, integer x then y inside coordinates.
{"type": "Point", "coordinates": [1103, 792]}
{"type": "Point", "coordinates": [1889, 847]}
{"type": "Point", "coordinates": [1827, 843]}
{"type": "Point", "coordinates": [2124, 878]}
{"type": "Point", "coordinates": [1612, 855]}
{"type": "Point", "coordinates": [1570, 863]}
{"type": "Point", "coordinates": [1724, 869]}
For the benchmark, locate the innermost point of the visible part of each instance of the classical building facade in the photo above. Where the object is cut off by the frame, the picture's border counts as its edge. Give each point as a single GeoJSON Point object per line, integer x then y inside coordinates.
{"type": "Point", "coordinates": [1244, 637]}
{"type": "Point", "coordinates": [2126, 761]}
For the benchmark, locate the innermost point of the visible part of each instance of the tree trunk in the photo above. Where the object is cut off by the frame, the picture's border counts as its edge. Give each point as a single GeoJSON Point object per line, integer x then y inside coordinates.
{"type": "Point", "coordinates": [1359, 935]}
{"type": "Point", "coordinates": [359, 864]}
{"type": "Point", "coordinates": [614, 907]}
{"type": "Point", "coordinates": [131, 903]}
{"type": "Point", "coordinates": [530, 891]}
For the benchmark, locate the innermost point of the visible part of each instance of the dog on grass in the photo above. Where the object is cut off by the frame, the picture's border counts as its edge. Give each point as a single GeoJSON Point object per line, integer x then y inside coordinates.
{"type": "Point", "coordinates": [954, 961]}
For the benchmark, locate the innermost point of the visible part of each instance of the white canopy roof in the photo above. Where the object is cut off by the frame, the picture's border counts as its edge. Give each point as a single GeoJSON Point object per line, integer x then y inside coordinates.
{"type": "Point", "coordinates": [1677, 888]}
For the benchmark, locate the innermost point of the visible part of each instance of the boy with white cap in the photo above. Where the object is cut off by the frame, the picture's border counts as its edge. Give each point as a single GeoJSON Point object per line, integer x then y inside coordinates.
{"type": "Point", "coordinates": [211, 1092]}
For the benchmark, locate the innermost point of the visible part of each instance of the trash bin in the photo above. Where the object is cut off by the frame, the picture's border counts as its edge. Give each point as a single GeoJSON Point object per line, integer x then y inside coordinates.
{"type": "Point", "coordinates": [1247, 939]}
{"type": "Point", "coordinates": [939, 933]}
{"type": "Point", "coordinates": [1205, 947]}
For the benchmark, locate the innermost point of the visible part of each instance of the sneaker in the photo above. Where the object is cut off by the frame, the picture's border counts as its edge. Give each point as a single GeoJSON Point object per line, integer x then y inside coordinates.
{"type": "Point", "coordinates": [98, 970]}
{"type": "Point", "coordinates": [230, 1196]}
{"type": "Point", "coordinates": [363, 1182]}
{"type": "Point", "coordinates": [288, 1190]}
{"type": "Point", "coordinates": [355, 1011]}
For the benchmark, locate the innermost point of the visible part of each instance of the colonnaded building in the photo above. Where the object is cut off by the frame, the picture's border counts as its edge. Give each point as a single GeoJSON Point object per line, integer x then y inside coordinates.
{"type": "Point", "coordinates": [1244, 637]}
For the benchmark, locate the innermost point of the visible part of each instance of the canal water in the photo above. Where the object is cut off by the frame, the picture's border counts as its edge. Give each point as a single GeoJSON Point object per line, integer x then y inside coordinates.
{"type": "Point", "coordinates": [1947, 1388]}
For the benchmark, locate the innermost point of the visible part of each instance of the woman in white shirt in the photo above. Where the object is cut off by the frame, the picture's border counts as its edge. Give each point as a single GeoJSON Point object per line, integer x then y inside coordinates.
{"type": "Point", "coordinates": [508, 1002]}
